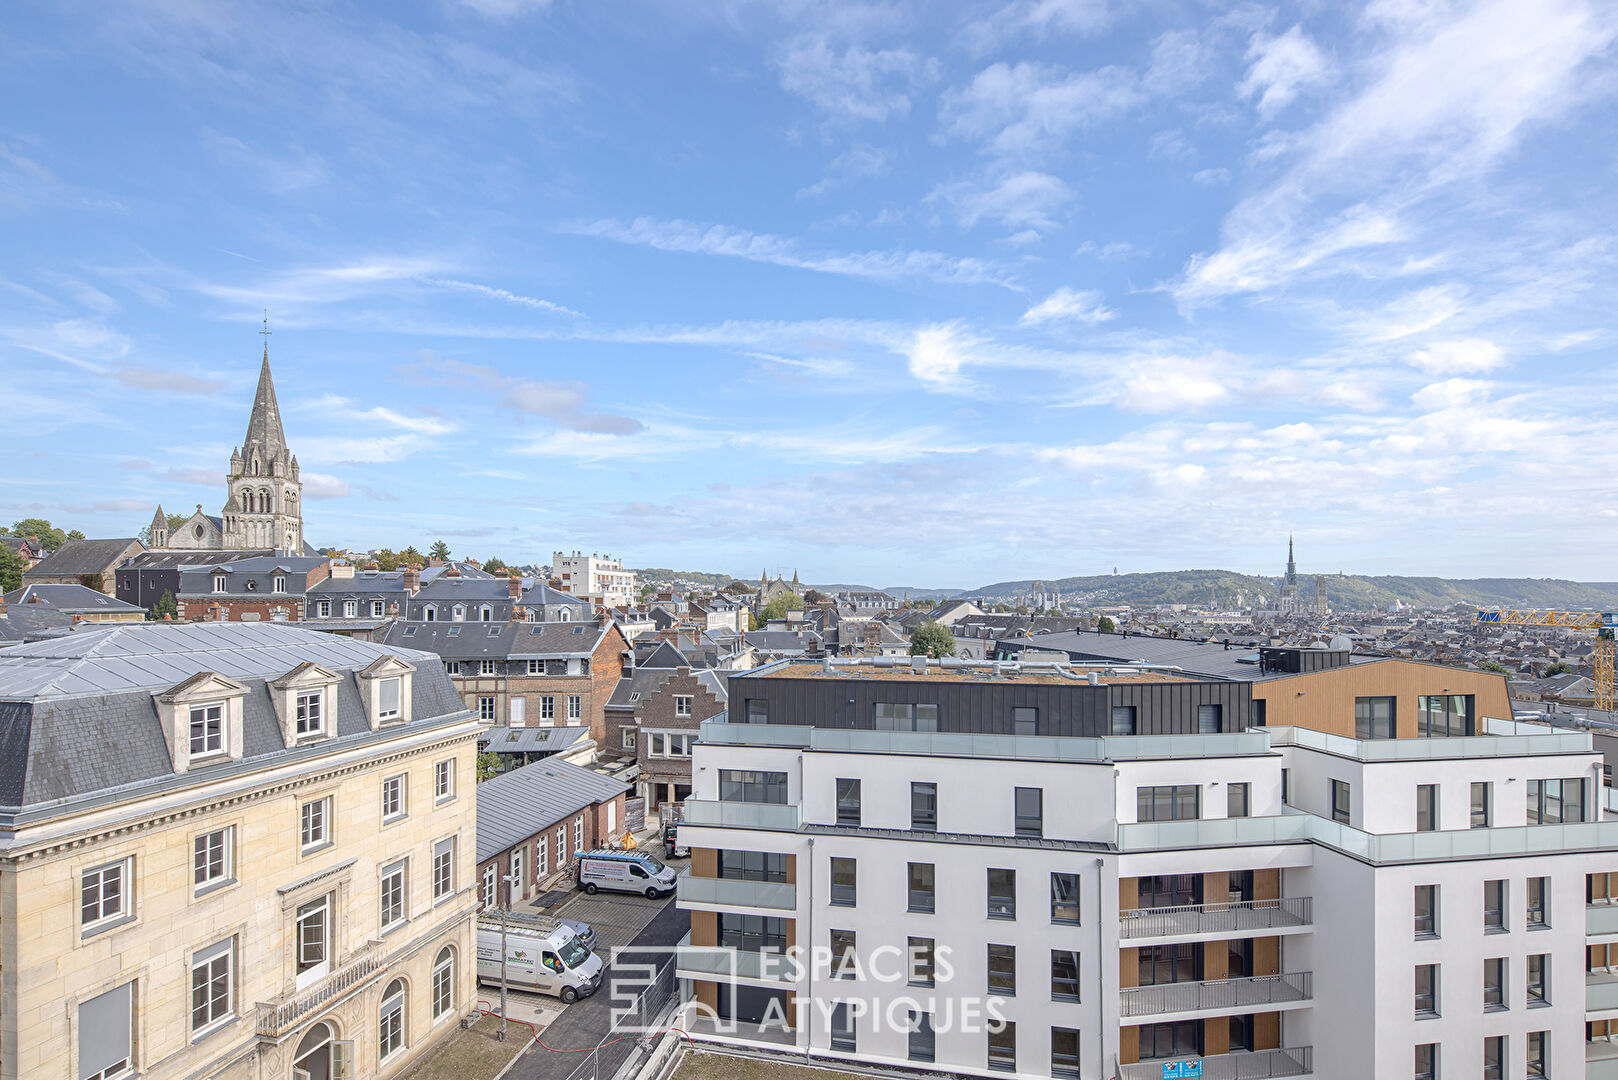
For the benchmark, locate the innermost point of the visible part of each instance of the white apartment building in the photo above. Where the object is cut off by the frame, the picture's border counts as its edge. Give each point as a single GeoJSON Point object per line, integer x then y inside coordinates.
{"type": "Point", "coordinates": [1244, 901]}
{"type": "Point", "coordinates": [599, 578]}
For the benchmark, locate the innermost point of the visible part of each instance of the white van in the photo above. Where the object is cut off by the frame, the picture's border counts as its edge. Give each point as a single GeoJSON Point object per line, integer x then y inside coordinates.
{"type": "Point", "coordinates": [554, 962]}
{"type": "Point", "coordinates": [624, 871]}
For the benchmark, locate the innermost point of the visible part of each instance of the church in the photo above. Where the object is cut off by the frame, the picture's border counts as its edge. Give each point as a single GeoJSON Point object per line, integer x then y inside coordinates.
{"type": "Point", "coordinates": [263, 496]}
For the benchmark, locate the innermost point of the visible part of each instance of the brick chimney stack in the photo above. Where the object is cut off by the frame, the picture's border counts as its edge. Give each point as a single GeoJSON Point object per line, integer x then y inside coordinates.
{"type": "Point", "coordinates": [453, 571]}
{"type": "Point", "coordinates": [513, 585]}
{"type": "Point", "coordinates": [412, 579]}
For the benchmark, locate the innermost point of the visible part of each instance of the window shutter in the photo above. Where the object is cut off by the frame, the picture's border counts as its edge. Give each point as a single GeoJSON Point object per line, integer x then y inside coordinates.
{"type": "Point", "coordinates": [104, 1029]}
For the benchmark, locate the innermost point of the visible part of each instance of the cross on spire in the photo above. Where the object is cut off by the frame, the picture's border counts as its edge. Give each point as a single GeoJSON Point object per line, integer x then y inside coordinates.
{"type": "Point", "coordinates": [266, 331]}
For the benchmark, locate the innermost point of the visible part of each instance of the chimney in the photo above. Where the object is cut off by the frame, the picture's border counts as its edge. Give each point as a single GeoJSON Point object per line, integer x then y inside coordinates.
{"type": "Point", "coordinates": [2, 606]}
{"type": "Point", "coordinates": [453, 571]}
{"type": "Point", "coordinates": [412, 579]}
{"type": "Point", "coordinates": [513, 586]}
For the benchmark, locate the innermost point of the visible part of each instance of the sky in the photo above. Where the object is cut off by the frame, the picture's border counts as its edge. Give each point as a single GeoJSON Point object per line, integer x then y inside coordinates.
{"type": "Point", "coordinates": [898, 293]}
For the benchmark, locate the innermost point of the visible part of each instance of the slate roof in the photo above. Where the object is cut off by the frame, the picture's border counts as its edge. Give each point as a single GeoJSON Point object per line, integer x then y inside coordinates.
{"type": "Point", "coordinates": [1209, 658]}
{"type": "Point", "coordinates": [70, 599]}
{"type": "Point", "coordinates": [78, 716]}
{"type": "Point", "coordinates": [83, 557]}
{"type": "Point", "coordinates": [259, 564]}
{"type": "Point", "coordinates": [782, 641]}
{"type": "Point", "coordinates": [451, 589]}
{"type": "Point", "coordinates": [540, 593]}
{"type": "Point", "coordinates": [665, 655]}
{"type": "Point", "coordinates": [165, 560]}
{"type": "Point", "coordinates": [480, 640]}
{"type": "Point", "coordinates": [33, 623]}
{"type": "Point", "coordinates": [530, 740]}
{"type": "Point", "coordinates": [515, 805]}
{"type": "Point", "coordinates": [642, 681]}
{"type": "Point", "coordinates": [368, 582]}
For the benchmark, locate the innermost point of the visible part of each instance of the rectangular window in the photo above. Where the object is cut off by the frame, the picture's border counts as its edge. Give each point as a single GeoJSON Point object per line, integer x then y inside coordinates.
{"type": "Point", "coordinates": [1002, 893]}
{"type": "Point", "coordinates": [443, 868]}
{"type": "Point", "coordinates": [105, 1024]}
{"type": "Point", "coordinates": [1286, 786]}
{"type": "Point", "coordinates": [924, 807]}
{"type": "Point", "coordinates": [310, 713]}
{"type": "Point", "coordinates": [1340, 801]}
{"type": "Point", "coordinates": [314, 823]}
{"type": "Point", "coordinates": [758, 711]}
{"type": "Point", "coordinates": [1494, 1057]}
{"type": "Point", "coordinates": [211, 858]}
{"type": "Point", "coordinates": [845, 961]}
{"type": "Point", "coordinates": [486, 709]}
{"type": "Point", "coordinates": [1163, 964]}
{"type": "Point", "coordinates": [1539, 966]}
{"type": "Point", "coordinates": [682, 705]}
{"type": "Point", "coordinates": [542, 857]}
{"type": "Point", "coordinates": [351, 608]}
{"type": "Point", "coordinates": [1029, 811]}
{"type": "Point", "coordinates": [325, 609]}
{"type": "Point", "coordinates": [547, 707]}
{"type": "Point", "coordinates": [1123, 720]}
{"type": "Point", "coordinates": [1444, 716]}
{"type": "Point", "coordinates": [1426, 911]}
{"type": "Point", "coordinates": [1494, 983]}
{"type": "Point", "coordinates": [219, 583]}
{"type": "Point", "coordinates": [207, 729]}
{"type": "Point", "coordinates": [452, 667]}
{"type": "Point", "coordinates": [486, 667]}
{"type": "Point", "coordinates": [843, 883]}
{"type": "Point", "coordinates": [921, 885]}
{"type": "Point", "coordinates": [1065, 1053]}
{"type": "Point", "coordinates": [848, 801]}
{"type": "Point", "coordinates": [1426, 990]}
{"type": "Point", "coordinates": [444, 780]}
{"type": "Point", "coordinates": [391, 1025]}
{"type": "Point", "coordinates": [900, 716]}
{"type": "Point", "coordinates": [1210, 719]}
{"type": "Point", "coordinates": [1373, 717]}
{"type": "Point", "coordinates": [1426, 807]}
{"type": "Point", "coordinates": [842, 1028]}
{"type": "Point", "coordinates": [1064, 975]}
{"type": "Point", "coordinates": [920, 955]}
{"type": "Point", "coordinates": [1551, 802]}
{"type": "Point", "coordinates": [1065, 899]}
{"type": "Point", "coordinates": [1238, 800]}
{"type": "Point", "coordinates": [393, 895]}
{"type": "Point", "coordinates": [489, 886]}
{"type": "Point", "coordinates": [1024, 721]}
{"type": "Point", "coordinates": [1494, 907]}
{"type": "Point", "coordinates": [748, 785]}
{"type": "Point", "coordinates": [313, 921]}
{"type": "Point", "coordinates": [1538, 896]}
{"type": "Point", "coordinates": [1003, 1046]}
{"type": "Point", "coordinates": [104, 893]}
{"type": "Point", "coordinates": [575, 707]}
{"type": "Point", "coordinates": [211, 985]}
{"type": "Point", "coordinates": [393, 797]}
{"type": "Point", "coordinates": [578, 835]}
{"type": "Point", "coordinates": [752, 865]}
{"type": "Point", "coordinates": [1427, 1061]}
{"type": "Point", "coordinates": [389, 693]}
{"type": "Point", "coordinates": [628, 738]}
{"type": "Point", "coordinates": [376, 609]}
{"type": "Point", "coordinates": [1481, 799]}
{"type": "Point", "coordinates": [920, 1043]}
{"type": "Point", "coordinates": [1539, 1054]}
{"type": "Point", "coordinates": [1003, 970]}
{"type": "Point", "coordinates": [536, 667]}
{"type": "Point", "coordinates": [1173, 802]}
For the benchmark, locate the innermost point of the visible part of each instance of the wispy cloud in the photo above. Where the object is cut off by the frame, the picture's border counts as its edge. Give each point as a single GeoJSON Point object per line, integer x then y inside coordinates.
{"type": "Point", "coordinates": [1282, 67]}
{"type": "Point", "coordinates": [1065, 304]}
{"type": "Point", "coordinates": [853, 83]}
{"type": "Point", "coordinates": [493, 293]}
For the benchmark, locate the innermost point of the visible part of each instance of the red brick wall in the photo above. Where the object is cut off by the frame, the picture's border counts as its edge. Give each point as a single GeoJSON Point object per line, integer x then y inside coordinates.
{"type": "Point", "coordinates": [595, 821]}
{"type": "Point", "coordinates": [606, 668]}
{"type": "Point", "coordinates": [200, 609]}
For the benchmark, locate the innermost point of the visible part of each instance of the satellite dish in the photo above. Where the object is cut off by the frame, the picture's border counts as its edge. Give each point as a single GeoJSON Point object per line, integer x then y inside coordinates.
{"type": "Point", "coordinates": [1342, 643]}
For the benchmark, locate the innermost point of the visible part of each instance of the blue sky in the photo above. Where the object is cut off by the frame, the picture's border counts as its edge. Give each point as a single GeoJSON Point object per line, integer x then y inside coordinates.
{"type": "Point", "coordinates": [922, 293]}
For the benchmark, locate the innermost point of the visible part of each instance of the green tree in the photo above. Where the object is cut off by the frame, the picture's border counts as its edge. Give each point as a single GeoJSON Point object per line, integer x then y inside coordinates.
{"type": "Point", "coordinates": [412, 556]}
{"type": "Point", "coordinates": [752, 621]}
{"type": "Point", "coordinates": [931, 639]}
{"type": "Point", "coordinates": [166, 608]}
{"type": "Point", "coordinates": [813, 596]}
{"type": "Point", "coordinates": [1561, 667]}
{"type": "Point", "coordinates": [1494, 666]}
{"type": "Point", "coordinates": [74, 534]}
{"type": "Point", "coordinates": [778, 608]}
{"type": "Point", "coordinates": [488, 765]}
{"type": "Point", "coordinates": [10, 569]}
{"type": "Point", "coordinates": [737, 588]}
{"type": "Point", "coordinates": [494, 563]}
{"type": "Point", "coordinates": [1105, 625]}
{"type": "Point", "coordinates": [50, 536]}
{"type": "Point", "coordinates": [439, 550]}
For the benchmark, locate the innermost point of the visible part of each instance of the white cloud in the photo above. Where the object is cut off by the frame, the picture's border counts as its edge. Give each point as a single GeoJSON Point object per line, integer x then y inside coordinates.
{"type": "Point", "coordinates": [1038, 18]}
{"type": "Point", "coordinates": [1469, 356]}
{"type": "Point", "coordinates": [855, 84]}
{"type": "Point", "coordinates": [1170, 384]}
{"type": "Point", "coordinates": [936, 354]}
{"type": "Point", "coordinates": [1024, 200]}
{"type": "Point", "coordinates": [1211, 177]}
{"type": "Point", "coordinates": [505, 9]}
{"type": "Point", "coordinates": [323, 486]}
{"type": "Point", "coordinates": [1280, 68]}
{"type": "Point", "coordinates": [1029, 109]}
{"type": "Point", "coordinates": [860, 162]}
{"type": "Point", "coordinates": [724, 240]}
{"type": "Point", "coordinates": [1064, 304]}
{"type": "Point", "coordinates": [501, 294]}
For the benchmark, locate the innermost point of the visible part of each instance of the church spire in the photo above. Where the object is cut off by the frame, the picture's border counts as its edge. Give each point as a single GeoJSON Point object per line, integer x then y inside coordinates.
{"type": "Point", "coordinates": [264, 432]}
{"type": "Point", "coordinates": [1292, 566]}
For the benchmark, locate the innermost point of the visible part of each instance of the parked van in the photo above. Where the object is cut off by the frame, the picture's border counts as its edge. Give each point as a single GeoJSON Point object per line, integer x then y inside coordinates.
{"type": "Point", "coordinates": [553, 961]}
{"type": "Point", "coordinates": [624, 871]}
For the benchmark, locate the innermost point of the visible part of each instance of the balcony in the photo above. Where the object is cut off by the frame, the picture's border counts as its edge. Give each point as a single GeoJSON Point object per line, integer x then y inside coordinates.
{"type": "Point", "coordinates": [1601, 919]}
{"type": "Point", "coordinates": [1255, 1065]}
{"type": "Point", "coordinates": [1600, 991]}
{"type": "Point", "coordinates": [1234, 918]}
{"type": "Point", "coordinates": [1212, 996]}
{"type": "Point", "coordinates": [711, 961]}
{"type": "Point", "coordinates": [1600, 1060]}
{"type": "Point", "coordinates": [733, 893]}
{"type": "Point", "coordinates": [780, 817]}
{"type": "Point", "coordinates": [275, 1018]}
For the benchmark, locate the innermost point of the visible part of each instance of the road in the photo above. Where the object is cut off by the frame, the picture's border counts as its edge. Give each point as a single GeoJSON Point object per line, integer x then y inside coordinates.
{"type": "Point", "coordinates": [584, 1024]}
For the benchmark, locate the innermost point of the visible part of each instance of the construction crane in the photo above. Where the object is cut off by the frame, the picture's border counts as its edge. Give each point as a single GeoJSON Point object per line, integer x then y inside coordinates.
{"type": "Point", "coordinates": [1604, 624]}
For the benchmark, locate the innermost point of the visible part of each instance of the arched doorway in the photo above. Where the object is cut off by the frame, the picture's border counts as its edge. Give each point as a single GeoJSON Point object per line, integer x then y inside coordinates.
{"type": "Point", "coordinates": [313, 1058]}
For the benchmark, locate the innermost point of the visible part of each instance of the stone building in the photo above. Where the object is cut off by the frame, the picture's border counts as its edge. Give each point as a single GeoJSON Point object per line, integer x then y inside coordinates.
{"type": "Point", "coordinates": [90, 563]}
{"type": "Point", "coordinates": [534, 821]}
{"type": "Point", "coordinates": [235, 851]}
{"type": "Point", "coordinates": [265, 588]}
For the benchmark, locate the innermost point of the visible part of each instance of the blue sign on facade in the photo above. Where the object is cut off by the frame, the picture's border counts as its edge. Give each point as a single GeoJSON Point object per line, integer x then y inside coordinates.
{"type": "Point", "coordinates": [1176, 1070]}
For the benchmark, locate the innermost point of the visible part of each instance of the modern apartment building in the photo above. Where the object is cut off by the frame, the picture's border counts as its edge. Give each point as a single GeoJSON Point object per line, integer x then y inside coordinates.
{"type": "Point", "coordinates": [231, 850]}
{"type": "Point", "coordinates": [1142, 882]}
{"type": "Point", "coordinates": [598, 578]}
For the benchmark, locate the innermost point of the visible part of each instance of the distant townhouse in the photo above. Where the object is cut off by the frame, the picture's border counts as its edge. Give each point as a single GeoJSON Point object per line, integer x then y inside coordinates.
{"type": "Point", "coordinates": [557, 674]}
{"type": "Point", "coordinates": [356, 602]}
{"type": "Point", "coordinates": [600, 579]}
{"type": "Point", "coordinates": [90, 563]}
{"type": "Point", "coordinates": [232, 851]}
{"type": "Point", "coordinates": [77, 601]}
{"type": "Point", "coordinates": [146, 578]}
{"type": "Point", "coordinates": [453, 597]}
{"type": "Point", "coordinates": [534, 821]}
{"type": "Point", "coordinates": [653, 717]}
{"type": "Point", "coordinates": [867, 600]}
{"type": "Point", "coordinates": [27, 548]}
{"type": "Point", "coordinates": [268, 588]}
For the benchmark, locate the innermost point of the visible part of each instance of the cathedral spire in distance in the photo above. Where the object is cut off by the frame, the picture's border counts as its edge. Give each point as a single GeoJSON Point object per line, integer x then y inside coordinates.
{"type": "Point", "coordinates": [264, 432]}
{"type": "Point", "coordinates": [1292, 566]}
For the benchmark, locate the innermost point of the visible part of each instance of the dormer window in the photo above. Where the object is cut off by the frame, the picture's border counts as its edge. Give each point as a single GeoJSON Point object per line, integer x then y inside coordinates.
{"type": "Point", "coordinates": [486, 613]}
{"type": "Point", "coordinates": [207, 729]}
{"type": "Point", "coordinates": [376, 609]}
{"type": "Point", "coordinates": [530, 616]}
{"type": "Point", "coordinates": [389, 693]}
{"type": "Point", "coordinates": [459, 613]}
{"type": "Point", "coordinates": [219, 583]}
{"type": "Point", "coordinates": [429, 614]}
{"type": "Point", "coordinates": [324, 607]}
{"type": "Point", "coordinates": [564, 615]}
{"type": "Point", "coordinates": [311, 713]}
{"type": "Point", "coordinates": [351, 608]}
{"type": "Point", "coordinates": [278, 584]}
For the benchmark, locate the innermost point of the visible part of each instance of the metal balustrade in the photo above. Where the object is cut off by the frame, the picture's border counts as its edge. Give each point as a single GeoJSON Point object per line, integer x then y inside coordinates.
{"type": "Point", "coordinates": [1219, 994]}
{"type": "Point", "coordinates": [1227, 917]}
{"type": "Point", "coordinates": [741, 815]}
{"type": "Point", "coordinates": [275, 1018]}
{"type": "Point", "coordinates": [1253, 1065]}
{"type": "Point", "coordinates": [736, 892]}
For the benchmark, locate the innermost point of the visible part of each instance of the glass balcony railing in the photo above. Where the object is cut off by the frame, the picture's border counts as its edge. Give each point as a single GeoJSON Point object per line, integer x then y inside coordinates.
{"type": "Point", "coordinates": [1600, 991]}
{"type": "Point", "coordinates": [1252, 1065]}
{"type": "Point", "coordinates": [732, 892]}
{"type": "Point", "coordinates": [1469, 746]}
{"type": "Point", "coordinates": [696, 961]}
{"type": "Point", "coordinates": [1216, 995]}
{"type": "Point", "coordinates": [741, 815]}
{"type": "Point", "coordinates": [1601, 918]}
{"type": "Point", "coordinates": [1239, 916]}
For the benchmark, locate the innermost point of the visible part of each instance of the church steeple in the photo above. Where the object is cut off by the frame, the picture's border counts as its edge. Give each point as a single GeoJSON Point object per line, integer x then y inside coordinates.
{"type": "Point", "coordinates": [264, 434]}
{"type": "Point", "coordinates": [1292, 566]}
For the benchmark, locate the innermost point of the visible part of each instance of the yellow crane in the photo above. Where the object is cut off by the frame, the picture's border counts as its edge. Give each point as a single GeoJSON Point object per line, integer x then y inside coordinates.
{"type": "Point", "coordinates": [1604, 624]}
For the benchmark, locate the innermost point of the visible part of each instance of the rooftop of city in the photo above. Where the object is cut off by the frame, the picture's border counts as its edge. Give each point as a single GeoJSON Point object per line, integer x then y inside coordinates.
{"type": "Point", "coordinates": [899, 670]}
